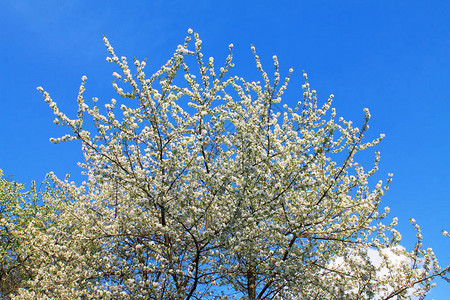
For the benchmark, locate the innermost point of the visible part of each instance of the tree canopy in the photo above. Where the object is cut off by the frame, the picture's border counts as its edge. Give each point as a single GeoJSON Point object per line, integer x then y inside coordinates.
{"type": "Point", "coordinates": [203, 185]}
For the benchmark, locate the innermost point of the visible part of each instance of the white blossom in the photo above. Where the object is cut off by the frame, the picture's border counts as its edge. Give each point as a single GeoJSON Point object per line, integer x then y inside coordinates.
{"type": "Point", "coordinates": [197, 185]}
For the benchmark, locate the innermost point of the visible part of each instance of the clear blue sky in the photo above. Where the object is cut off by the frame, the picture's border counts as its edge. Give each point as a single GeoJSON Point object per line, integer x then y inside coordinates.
{"type": "Point", "coordinates": [390, 56]}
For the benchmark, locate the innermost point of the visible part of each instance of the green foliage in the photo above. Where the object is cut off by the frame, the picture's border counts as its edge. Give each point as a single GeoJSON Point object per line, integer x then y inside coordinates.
{"type": "Point", "coordinates": [17, 211]}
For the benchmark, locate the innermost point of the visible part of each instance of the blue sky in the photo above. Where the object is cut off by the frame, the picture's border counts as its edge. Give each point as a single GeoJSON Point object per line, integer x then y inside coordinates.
{"type": "Point", "coordinates": [390, 56]}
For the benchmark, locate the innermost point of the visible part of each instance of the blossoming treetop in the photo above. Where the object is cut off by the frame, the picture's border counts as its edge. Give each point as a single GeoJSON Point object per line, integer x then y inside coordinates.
{"type": "Point", "coordinates": [199, 185]}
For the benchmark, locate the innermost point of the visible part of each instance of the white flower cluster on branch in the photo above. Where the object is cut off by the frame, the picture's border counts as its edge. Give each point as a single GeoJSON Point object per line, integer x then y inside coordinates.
{"type": "Point", "coordinates": [200, 186]}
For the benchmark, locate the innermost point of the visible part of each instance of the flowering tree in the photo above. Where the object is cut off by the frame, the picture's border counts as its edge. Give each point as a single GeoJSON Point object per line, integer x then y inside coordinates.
{"type": "Point", "coordinates": [203, 185]}
{"type": "Point", "coordinates": [18, 210]}
{"type": "Point", "coordinates": [12, 269]}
